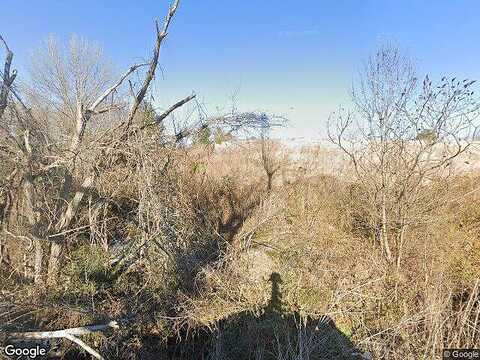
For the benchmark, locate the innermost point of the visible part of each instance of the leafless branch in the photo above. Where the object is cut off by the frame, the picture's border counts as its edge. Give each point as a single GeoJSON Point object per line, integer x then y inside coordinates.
{"type": "Point", "coordinates": [70, 334]}
{"type": "Point", "coordinates": [115, 86]}
{"type": "Point", "coordinates": [8, 78]}
{"type": "Point", "coordinates": [153, 64]}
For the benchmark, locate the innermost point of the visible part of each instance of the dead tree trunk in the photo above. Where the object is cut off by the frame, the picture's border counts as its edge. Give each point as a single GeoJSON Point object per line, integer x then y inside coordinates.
{"type": "Point", "coordinates": [83, 116]}
{"type": "Point", "coordinates": [49, 239]}
{"type": "Point", "coordinates": [56, 246]}
{"type": "Point", "coordinates": [8, 78]}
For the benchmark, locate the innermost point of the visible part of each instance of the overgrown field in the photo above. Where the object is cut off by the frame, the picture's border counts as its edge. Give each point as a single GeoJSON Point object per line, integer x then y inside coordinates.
{"type": "Point", "coordinates": [130, 231]}
{"type": "Point", "coordinates": [233, 270]}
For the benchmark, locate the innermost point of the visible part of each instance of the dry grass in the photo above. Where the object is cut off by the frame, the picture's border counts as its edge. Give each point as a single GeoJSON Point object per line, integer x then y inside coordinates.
{"type": "Point", "coordinates": [315, 234]}
{"type": "Point", "coordinates": [220, 236]}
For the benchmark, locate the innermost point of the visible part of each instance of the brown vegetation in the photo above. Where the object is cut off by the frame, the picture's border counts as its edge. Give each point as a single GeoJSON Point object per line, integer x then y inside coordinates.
{"type": "Point", "coordinates": [179, 248]}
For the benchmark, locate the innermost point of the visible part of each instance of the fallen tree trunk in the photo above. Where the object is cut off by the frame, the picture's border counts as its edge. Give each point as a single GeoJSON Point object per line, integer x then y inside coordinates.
{"type": "Point", "coordinates": [82, 330]}
{"type": "Point", "coordinates": [70, 334]}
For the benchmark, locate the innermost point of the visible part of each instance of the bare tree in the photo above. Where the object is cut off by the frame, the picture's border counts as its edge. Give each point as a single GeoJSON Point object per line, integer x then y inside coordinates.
{"type": "Point", "coordinates": [72, 88]}
{"type": "Point", "coordinates": [384, 137]}
{"type": "Point", "coordinates": [270, 157]}
{"type": "Point", "coordinates": [61, 76]}
{"type": "Point", "coordinates": [54, 170]}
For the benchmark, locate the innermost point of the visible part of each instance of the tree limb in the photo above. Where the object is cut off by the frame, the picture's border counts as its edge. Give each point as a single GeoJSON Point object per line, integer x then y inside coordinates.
{"type": "Point", "coordinates": [111, 89]}
{"type": "Point", "coordinates": [153, 64]}
{"type": "Point", "coordinates": [77, 331]}
{"type": "Point", "coordinates": [162, 116]}
{"type": "Point", "coordinates": [84, 346]}
{"type": "Point", "coordinates": [70, 334]}
{"type": "Point", "coordinates": [7, 80]}
{"type": "Point", "coordinates": [72, 207]}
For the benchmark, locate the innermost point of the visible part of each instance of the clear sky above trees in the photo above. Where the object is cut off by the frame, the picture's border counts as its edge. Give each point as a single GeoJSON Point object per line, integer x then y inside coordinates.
{"type": "Point", "coordinates": [293, 58]}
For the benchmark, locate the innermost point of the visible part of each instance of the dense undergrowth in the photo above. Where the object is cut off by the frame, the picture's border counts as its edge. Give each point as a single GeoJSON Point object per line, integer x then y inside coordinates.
{"type": "Point", "coordinates": [313, 234]}
{"type": "Point", "coordinates": [202, 286]}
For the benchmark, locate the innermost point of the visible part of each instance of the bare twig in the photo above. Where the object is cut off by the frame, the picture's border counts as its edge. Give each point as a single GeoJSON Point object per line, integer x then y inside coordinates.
{"type": "Point", "coordinates": [153, 64]}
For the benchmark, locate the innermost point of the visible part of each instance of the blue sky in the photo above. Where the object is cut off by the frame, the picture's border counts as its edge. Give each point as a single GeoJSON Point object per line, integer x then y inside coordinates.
{"type": "Point", "coordinates": [294, 58]}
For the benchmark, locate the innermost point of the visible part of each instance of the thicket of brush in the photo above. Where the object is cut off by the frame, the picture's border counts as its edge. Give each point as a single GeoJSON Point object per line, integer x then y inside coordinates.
{"type": "Point", "coordinates": [237, 252]}
{"type": "Point", "coordinates": [219, 236]}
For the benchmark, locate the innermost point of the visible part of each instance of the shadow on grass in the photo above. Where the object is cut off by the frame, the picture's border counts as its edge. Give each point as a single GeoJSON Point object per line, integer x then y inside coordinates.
{"type": "Point", "coordinates": [274, 334]}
